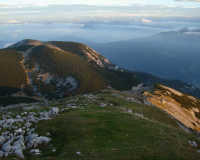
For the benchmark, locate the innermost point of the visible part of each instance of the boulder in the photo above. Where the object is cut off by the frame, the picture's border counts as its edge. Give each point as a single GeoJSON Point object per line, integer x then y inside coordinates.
{"type": "Point", "coordinates": [34, 152]}
{"type": "Point", "coordinates": [19, 153]}
{"type": "Point", "coordinates": [53, 111]}
{"type": "Point", "coordinates": [102, 104]}
{"type": "Point", "coordinates": [130, 111]}
{"type": "Point", "coordinates": [6, 154]}
{"type": "Point", "coordinates": [1, 154]}
{"type": "Point", "coordinates": [193, 143]}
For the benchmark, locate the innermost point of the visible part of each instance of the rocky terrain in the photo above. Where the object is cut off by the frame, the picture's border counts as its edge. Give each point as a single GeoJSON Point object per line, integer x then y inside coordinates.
{"type": "Point", "coordinates": [94, 126]}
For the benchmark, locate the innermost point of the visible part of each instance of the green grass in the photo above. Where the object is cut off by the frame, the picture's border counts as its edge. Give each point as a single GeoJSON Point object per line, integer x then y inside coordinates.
{"type": "Point", "coordinates": [12, 74]}
{"type": "Point", "coordinates": [111, 133]}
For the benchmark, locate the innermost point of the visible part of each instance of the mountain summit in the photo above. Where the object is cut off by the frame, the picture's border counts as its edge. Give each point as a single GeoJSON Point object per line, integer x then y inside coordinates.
{"type": "Point", "coordinates": [59, 69]}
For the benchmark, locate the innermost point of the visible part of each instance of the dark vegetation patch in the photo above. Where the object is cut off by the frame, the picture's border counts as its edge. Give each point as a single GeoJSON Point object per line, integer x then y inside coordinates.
{"type": "Point", "coordinates": [72, 47]}
{"type": "Point", "coordinates": [12, 74]}
{"type": "Point", "coordinates": [23, 47]}
{"type": "Point", "coordinates": [8, 100]}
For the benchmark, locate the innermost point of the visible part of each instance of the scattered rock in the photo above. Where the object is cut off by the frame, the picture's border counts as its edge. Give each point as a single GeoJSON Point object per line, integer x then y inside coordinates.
{"type": "Point", "coordinates": [19, 153]}
{"type": "Point", "coordinates": [48, 134]}
{"type": "Point", "coordinates": [102, 104]}
{"type": "Point", "coordinates": [130, 111]}
{"type": "Point", "coordinates": [193, 143]}
{"type": "Point", "coordinates": [54, 150]}
{"type": "Point", "coordinates": [35, 152]}
{"type": "Point", "coordinates": [53, 111]}
{"type": "Point", "coordinates": [79, 153]}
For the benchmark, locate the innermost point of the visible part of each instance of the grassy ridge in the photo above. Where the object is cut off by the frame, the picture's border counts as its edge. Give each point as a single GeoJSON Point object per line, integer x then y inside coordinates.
{"type": "Point", "coordinates": [178, 85]}
{"type": "Point", "coordinates": [184, 100]}
{"type": "Point", "coordinates": [12, 74]}
{"type": "Point", "coordinates": [71, 47]}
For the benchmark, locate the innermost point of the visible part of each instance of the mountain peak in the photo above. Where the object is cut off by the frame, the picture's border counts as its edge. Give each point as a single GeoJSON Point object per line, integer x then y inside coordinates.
{"type": "Point", "coordinates": [57, 69]}
{"type": "Point", "coordinates": [26, 42]}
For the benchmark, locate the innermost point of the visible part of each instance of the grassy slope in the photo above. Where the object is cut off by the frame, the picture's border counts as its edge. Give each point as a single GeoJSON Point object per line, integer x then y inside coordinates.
{"type": "Point", "coordinates": [110, 133]}
{"type": "Point", "coordinates": [184, 100]}
{"type": "Point", "coordinates": [149, 79]}
{"type": "Point", "coordinates": [71, 47]}
{"type": "Point", "coordinates": [12, 74]}
{"type": "Point", "coordinates": [90, 77]}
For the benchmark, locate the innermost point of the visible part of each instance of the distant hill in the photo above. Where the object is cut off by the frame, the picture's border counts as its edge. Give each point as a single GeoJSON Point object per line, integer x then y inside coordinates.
{"type": "Point", "coordinates": [58, 69]}
{"type": "Point", "coordinates": [169, 55]}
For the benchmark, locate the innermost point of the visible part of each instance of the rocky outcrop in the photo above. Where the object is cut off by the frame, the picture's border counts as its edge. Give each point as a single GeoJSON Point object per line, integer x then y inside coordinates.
{"type": "Point", "coordinates": [24, 137]}
{"type": "Point", "coordinates": [172, 102]}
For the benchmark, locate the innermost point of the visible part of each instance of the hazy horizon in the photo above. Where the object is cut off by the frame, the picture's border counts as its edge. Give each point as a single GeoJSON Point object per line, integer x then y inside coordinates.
{"type": "Point", "coordinates": [102, 22]}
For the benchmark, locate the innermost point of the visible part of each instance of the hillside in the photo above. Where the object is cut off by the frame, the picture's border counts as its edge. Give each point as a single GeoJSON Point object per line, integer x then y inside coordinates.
{"type": "Point", "coordinates": [149, 80]}
{"type": "Point", "coordinates": [182, 107]}
{"type": "Point", "coordinates": [11, 70]}
{"type": "Point", "coordinates": [106, 125]}
{"type": "Point", "coordinates": [169, 55]}
{"type": "Point", "coordinates": [59, 69]}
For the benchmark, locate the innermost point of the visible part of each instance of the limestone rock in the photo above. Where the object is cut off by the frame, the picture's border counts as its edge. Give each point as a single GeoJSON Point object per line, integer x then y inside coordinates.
{"type": "Point", "coordinates": [53, 111]}
{"type": "Point", "coordinates": [19, 153]}
{"type": "Point", "coordinates": [130, 111]}
{"type": "Point", "coordinates": [193, 143]}
{"type": "Point", "coordinates": [1, 154]}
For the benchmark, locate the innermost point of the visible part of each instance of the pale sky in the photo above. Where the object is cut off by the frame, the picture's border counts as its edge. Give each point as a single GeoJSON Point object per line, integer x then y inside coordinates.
{"type": "Point", "coordinates": [13, 11]}
{"type": "Point", "coordinates": [132, 18]}
{"type": "Point", "coordinates": [183, 3]}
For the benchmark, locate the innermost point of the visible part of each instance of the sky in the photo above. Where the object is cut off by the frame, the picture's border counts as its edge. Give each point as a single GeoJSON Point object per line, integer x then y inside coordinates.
{"type": "Point", "coordinates": [99, 21]}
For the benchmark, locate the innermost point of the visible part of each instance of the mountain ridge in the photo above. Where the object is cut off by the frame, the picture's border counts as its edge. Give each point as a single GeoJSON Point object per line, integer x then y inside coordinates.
{"type": "Point", "coordinates": [58, 69]}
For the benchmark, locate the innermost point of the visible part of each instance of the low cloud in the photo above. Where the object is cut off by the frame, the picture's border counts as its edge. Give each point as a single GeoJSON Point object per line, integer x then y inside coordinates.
{"type": "Point", "coordinates": [13, 22]}
{"type": "Point", "coordinates": [146, 20]}
{"type": "Point", "coordinates": [5, 5]}
{"type": "Point", "coordinates": [7, 45]}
